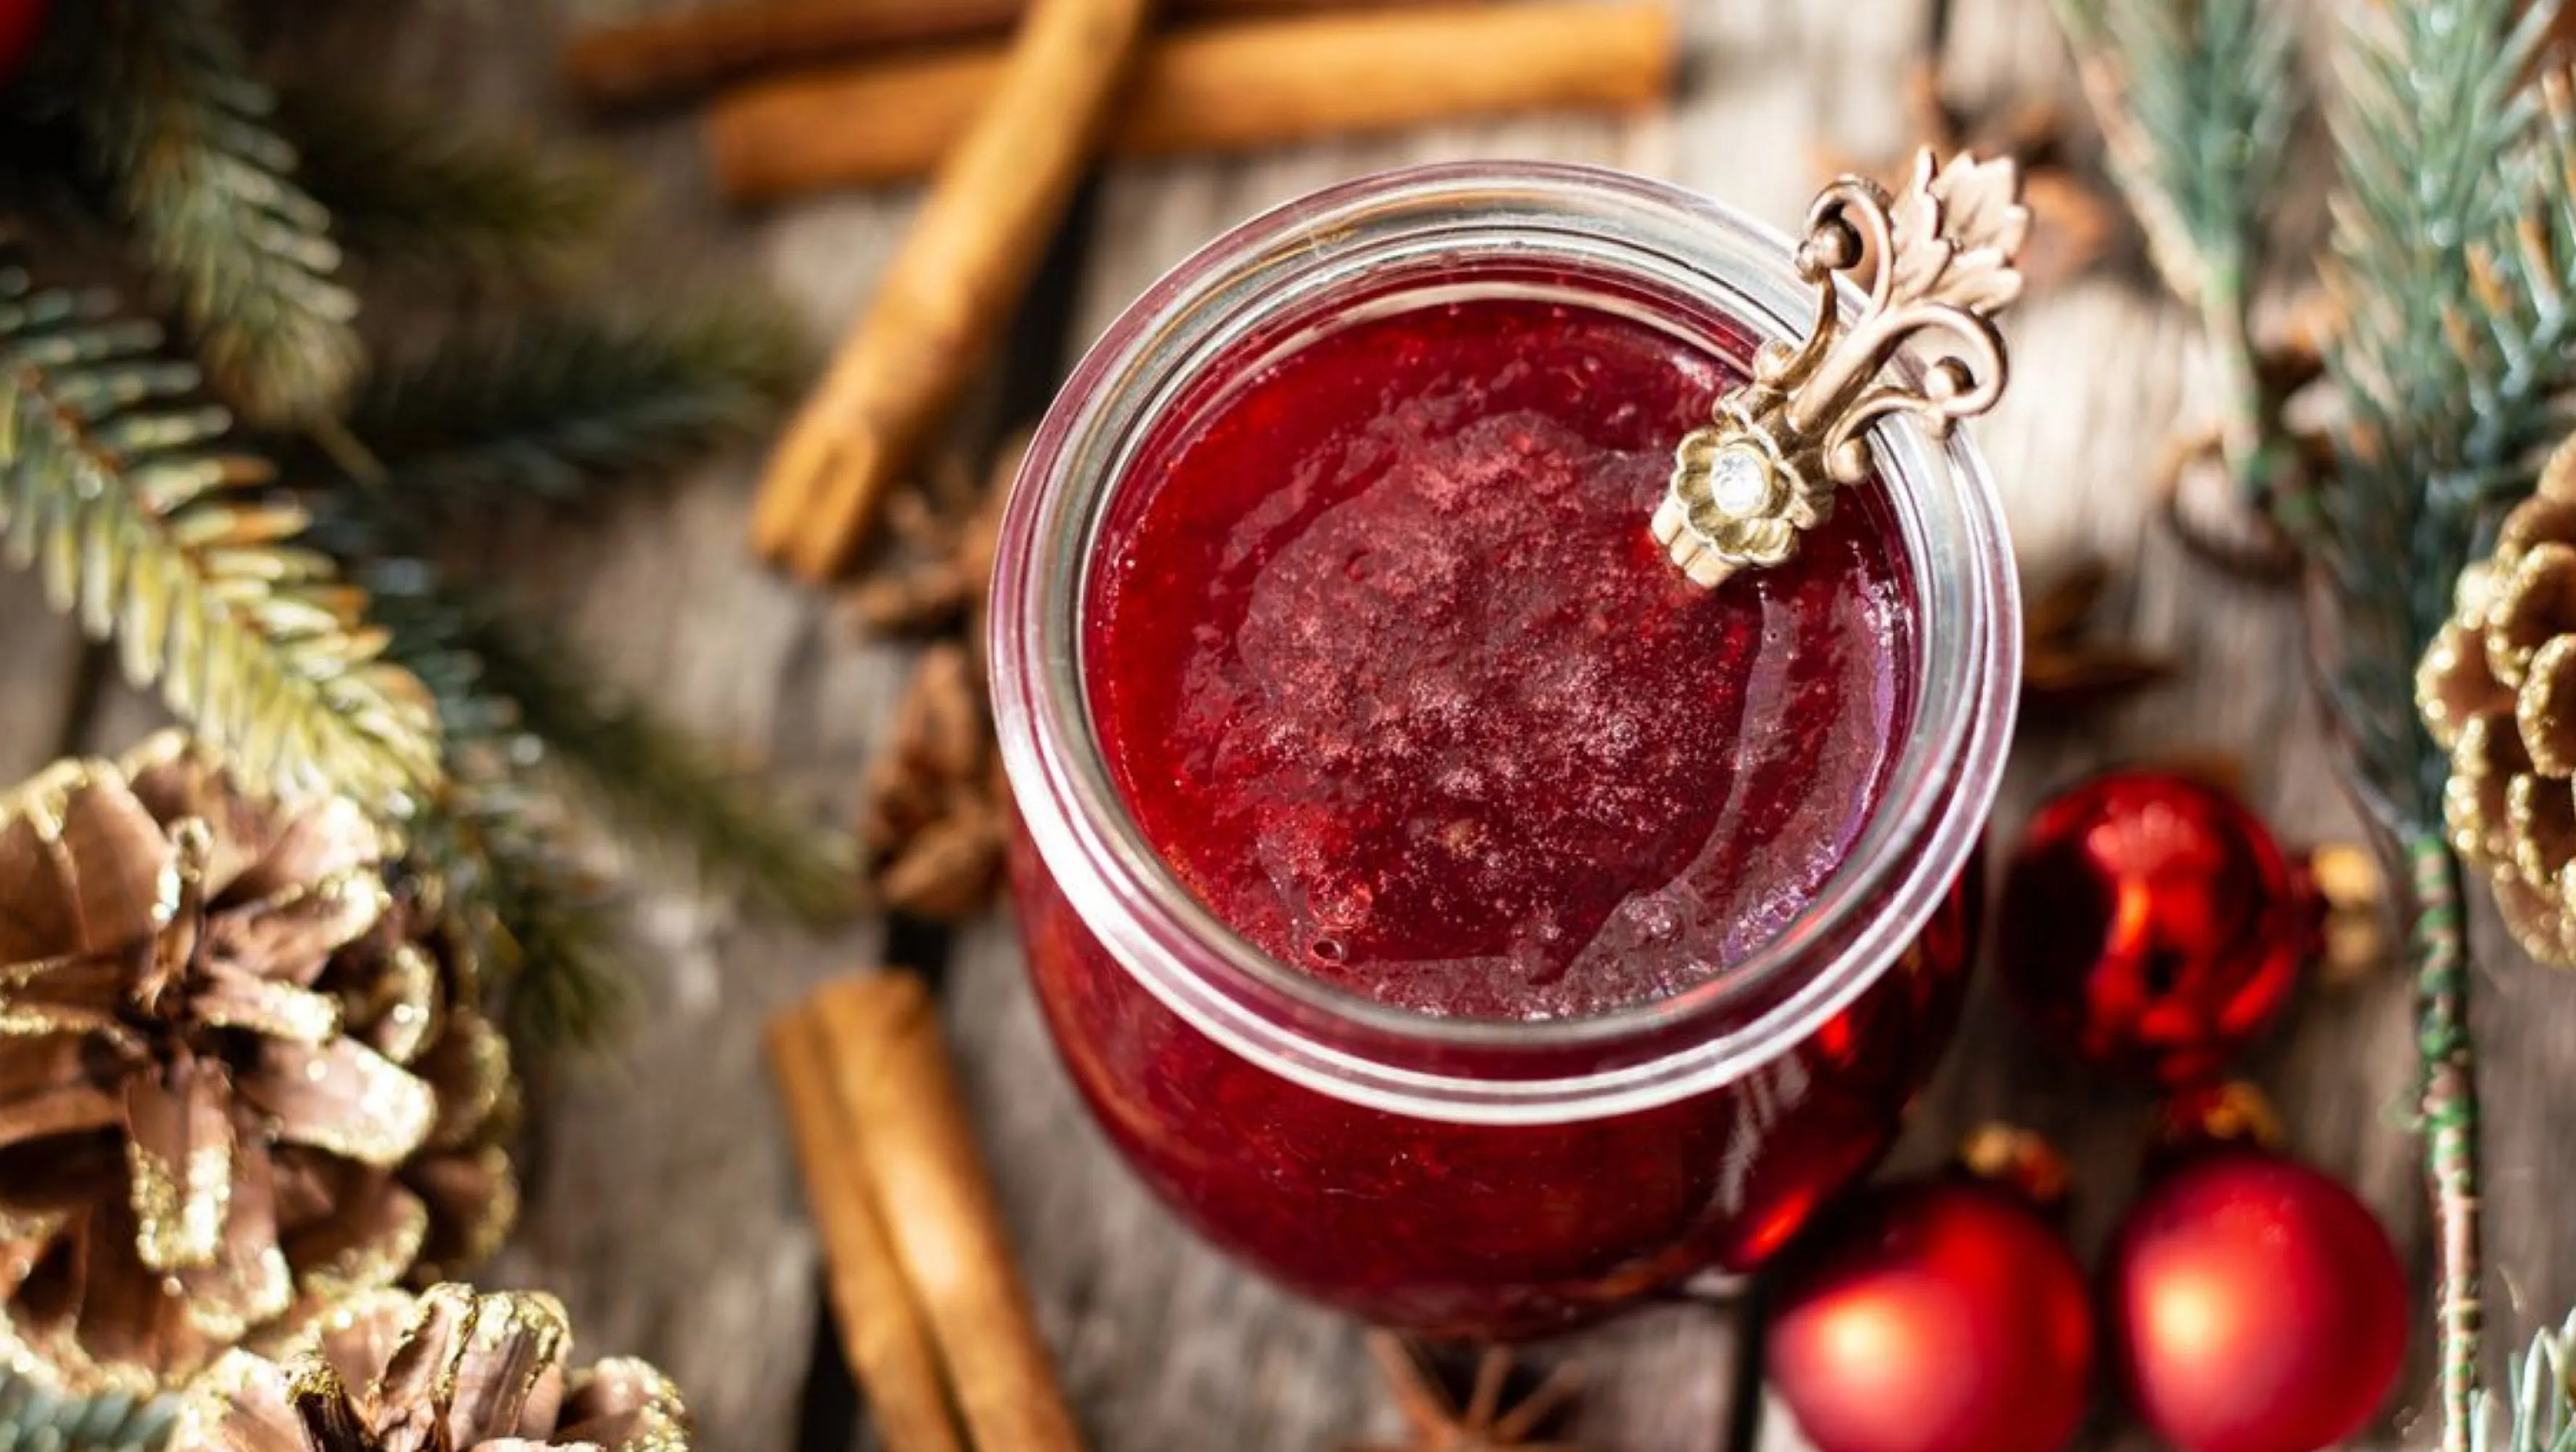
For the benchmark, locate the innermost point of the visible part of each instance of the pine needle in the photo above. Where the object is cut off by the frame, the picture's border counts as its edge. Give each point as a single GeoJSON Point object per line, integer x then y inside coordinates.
{"type": "Point", "coordinates": [2453, 234]}
{"type": "Point", "coordinates": [2197, 102]}
{"type": "Point", "coordinates": [558, 405]}
{"type": "Point", "coordinates": [181, 129]}
{"type": "Point", "coordinates": [2542, 1414]}
{"type": "Point", "coordinates": [2458, 345]}
{"type": "Point", "coordinates": [412, 189]}
{"type": "Point", "coordinates": [651, 776]}
{"type": "Point", "coordinates": [116, 483]}
{"type": "Point", "coordinates": [33, 1419]}
{"type": "Point", "coordinates": [546, 929]}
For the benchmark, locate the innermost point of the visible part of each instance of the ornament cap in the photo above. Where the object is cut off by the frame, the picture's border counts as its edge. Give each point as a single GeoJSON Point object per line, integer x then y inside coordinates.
{"type": "Point", "coordinates": [2351, 897]}
{"type": "Point", "coordinates": [2233, 1115]}
{"type": "Point", "coordinates": [1939, 256]}
{"type": "Point", "coordinates": [2020, 1160]}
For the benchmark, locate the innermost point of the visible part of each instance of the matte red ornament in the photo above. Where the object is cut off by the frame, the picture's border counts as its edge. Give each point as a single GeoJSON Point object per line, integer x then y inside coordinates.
{"type": "Point", "coordinates": [2152, 925]}
{"type": "Point", "coordinates": [20, 21]}
{"type": "Point", "coordinates": [1933, 1316]}
{"type": "Point", "coordinates": [2254, 1305]}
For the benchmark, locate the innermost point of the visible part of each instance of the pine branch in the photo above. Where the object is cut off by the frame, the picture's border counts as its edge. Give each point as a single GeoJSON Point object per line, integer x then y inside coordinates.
{"type": "Point", "coordinates": [33, 1419]}
{"type": "Point", "coordinates": [117, 484]}
{"type": "Point", "coordinates": [2196, 103]}
{"type": "Point", "coordinates": [2453, 237]}
{"type": "Point", "coordinates": [180, 128]}
{"type": "Point", "coordinates": [410, 188]}
{"type": "Point", "coordinates": [546, 929]}
{"type": "Point", "coordinates": [544, 926]}
{"type": "Point", "coordinates": [652, 777]}
{"type": "Point", "coordinates": [558, 405]}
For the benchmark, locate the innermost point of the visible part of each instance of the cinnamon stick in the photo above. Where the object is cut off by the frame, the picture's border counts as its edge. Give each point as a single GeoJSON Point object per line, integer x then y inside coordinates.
{"type": "Point", "coordinates": [676, 53]}
{"type": "Point", "coordinates": [1231, 87]}
{"type": "Point", "coordinates": [999, 194]}
{"type": "Point", "coordinates": [918, 1153]}
{"type": "Point", "coordinates": [882, 1330]}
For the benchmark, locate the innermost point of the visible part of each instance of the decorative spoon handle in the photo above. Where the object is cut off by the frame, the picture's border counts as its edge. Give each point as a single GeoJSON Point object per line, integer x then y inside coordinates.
{"type": "Point", "coordinates": [1763, 471]}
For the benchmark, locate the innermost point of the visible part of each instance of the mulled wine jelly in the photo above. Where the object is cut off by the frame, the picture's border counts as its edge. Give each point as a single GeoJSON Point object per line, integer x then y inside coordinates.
{"type": "Point", "coordinates": [1392, 676]}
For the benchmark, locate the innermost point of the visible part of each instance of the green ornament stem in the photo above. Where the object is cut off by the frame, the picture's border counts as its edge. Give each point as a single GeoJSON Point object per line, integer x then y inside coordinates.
{"type": "Point", "coordinates": [2449, 1103]}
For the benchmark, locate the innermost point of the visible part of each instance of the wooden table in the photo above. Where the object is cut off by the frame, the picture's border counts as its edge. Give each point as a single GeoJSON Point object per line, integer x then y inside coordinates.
{"type": "Point", "coordinates": [664, 1208]}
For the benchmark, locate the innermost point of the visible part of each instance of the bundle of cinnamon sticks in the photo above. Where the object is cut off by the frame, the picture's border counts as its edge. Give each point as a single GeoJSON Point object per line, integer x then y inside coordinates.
{"type": "Point", "coordinates": [817, 94]}
{"type": "Point", "coordinates": [922, 1283]}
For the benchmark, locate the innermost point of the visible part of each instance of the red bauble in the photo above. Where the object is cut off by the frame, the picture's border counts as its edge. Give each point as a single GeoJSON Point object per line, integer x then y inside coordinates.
{"type": "Point", "coordinates": [2255, 1305]}
{"type": "Point", "coordinates": [1936, 1316]}
{"type": "Point", "coordinates": [20, 20]}
{"type": "Point", "coordinates": [2152, 925]}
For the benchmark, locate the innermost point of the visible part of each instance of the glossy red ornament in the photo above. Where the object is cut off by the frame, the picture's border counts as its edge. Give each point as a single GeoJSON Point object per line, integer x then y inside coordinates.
{"type": "Point", "coordinates": [2152, 925]}
{"type": "Point", "coordinates": [20, 21]}
{"type": "Point", "coordinates": [1933, 1316]}
{"type": "Point", "coordinates": [2254, 1305]}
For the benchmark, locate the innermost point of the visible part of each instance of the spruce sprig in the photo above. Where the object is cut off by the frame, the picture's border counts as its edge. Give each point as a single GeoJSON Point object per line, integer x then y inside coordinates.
{"type": "Point", "coordinates": [555, 405]}
{"type": "Point", "coordinates": [412, 189]}
{"type": "Point", "coordinates": [180, 128]}
{"type": "Point", "coordinates": [500, 681]}
{"type": "Point", "coordinates": [117, 482]}
{"type": "Point", "coordinates": [2197, 102]}
{"type": "Point", "coordinates": [653, 777]}
{"type": "Point", "coordinates": [2454, 232]}
{"type": "Point", "coordinates": [547, 929]}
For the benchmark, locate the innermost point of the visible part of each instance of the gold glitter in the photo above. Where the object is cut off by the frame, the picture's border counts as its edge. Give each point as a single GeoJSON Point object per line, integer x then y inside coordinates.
{"type": "Point", "coordinates": [270, 1008]}
{"type": "Point", "coordinates": [196, 921]}
{"type": "Point", "coordinates": [2497, 690]}
{"type": "Point", "coordinates": [179, 1218]}
{"type": "Point", "coordinates": [405, 991]}
{"type": "Point", "coordinates": [450, 1368]}
{"type": "Point", "coordinates": [375, 1262]}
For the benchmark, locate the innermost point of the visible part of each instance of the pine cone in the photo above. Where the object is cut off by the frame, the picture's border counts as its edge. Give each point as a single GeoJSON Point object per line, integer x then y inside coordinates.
{"type": "Point", "coordinates": [2498, 691]}
{"type": "Point", "coordinates": [449, 1369]}
{"type": "Point", "coordinates": [242, 1071]}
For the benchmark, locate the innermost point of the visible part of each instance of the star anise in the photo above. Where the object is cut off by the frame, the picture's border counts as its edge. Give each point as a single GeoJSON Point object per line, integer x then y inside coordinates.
{"type": "Point", "coordinates": [1437, 1422]}
{"type": "Point", "coordinates": [944, 533]}
{"type": "Point", "coordinates": [934, 822]}
{"type": "Point", "coordinates": [2063, 667]}
{"type": "Point", "coordinates": [2073, 217]}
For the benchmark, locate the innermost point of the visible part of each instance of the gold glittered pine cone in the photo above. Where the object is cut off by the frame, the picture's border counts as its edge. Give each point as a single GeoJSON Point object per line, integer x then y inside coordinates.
{"type": "Point", "coordinates": [2498, 691]}
{"type": "Point", "coordinates": [445, 1371]}
{"type": "Point", "coordinates": [242, 1071]}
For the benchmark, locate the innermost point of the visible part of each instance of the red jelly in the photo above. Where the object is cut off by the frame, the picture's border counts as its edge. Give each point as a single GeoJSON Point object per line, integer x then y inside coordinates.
{"type": "Point", "coordinates": [1445, 905]}
{"type": "Point", "coordinates": [1394, 679]}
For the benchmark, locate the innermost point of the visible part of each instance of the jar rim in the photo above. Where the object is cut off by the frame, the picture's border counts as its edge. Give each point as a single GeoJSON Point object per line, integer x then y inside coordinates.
{"type": "Point", "coordinates": [1921, 833]}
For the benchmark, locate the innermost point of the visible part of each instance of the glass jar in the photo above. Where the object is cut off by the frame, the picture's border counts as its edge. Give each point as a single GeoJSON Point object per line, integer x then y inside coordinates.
{"type": "Point", "coordinates": [1469, 1176]}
